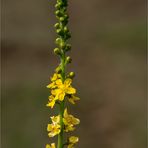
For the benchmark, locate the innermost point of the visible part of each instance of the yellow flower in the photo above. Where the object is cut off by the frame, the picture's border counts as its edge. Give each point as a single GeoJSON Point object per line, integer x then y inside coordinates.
{"type": "Point", "coordinates": [70, 146]}
{"type": "Point", "coordinates": [55, 119]}
{"type": "Point", "coordinates": [69, 121]}
{"type": "Point", "coordinates": [72, 99]}
{"type": "Point", "coordinates": [52, 85]}
{"type": "Point", "coordinates": [69, 127]}
{"type": "Point", "coordinates": [53, 129]}
{"type": "Point", "coordinates": [72, 141]}
{"type": "Point", "coordinates": [55, 77]}
{"type": "Point", "coordinates": [52, 145]}
{"type": "Point", "coordinates": [51, 102]}
{"type": "Point", "coordinates": [63, 89]}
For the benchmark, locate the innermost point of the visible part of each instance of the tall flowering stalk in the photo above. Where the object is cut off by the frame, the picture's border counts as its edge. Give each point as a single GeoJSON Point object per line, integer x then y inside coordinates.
{"type": "Point", "coordinates": [61, 84]}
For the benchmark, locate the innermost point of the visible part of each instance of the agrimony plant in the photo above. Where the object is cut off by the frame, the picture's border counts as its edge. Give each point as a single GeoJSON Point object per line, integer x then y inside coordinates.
{"type": "Point", "coordinates": [61, 88]}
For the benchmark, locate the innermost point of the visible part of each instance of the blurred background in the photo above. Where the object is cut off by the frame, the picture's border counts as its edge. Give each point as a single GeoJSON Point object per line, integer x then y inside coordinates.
{"type": "Point", "coordinates": [109, 58]}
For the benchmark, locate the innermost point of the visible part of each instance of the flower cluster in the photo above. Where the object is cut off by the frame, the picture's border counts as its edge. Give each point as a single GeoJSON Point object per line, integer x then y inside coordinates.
{"type": "Point", "coordinates": [61, 89]}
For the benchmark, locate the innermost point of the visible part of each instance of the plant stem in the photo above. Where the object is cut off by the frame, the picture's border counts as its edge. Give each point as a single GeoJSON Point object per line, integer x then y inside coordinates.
{"type": "Point", "coordinates": [61, 134]}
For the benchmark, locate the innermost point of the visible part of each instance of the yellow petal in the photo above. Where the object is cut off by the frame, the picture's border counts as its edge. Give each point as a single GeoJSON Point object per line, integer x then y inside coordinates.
{"type": "Point", "coordinates": [52, 85]}
{"type": "Point", "coordinates": [56, 92]}
{"type": "Point", "coordinates": [69, 128]}
{"type": "Point", "coordinates": [54, 133]}
{"type": "Point", "coordinates": [52, 145]}
{"type": "Point", "coordinates": [67, 82]}
{"type": "Point", "coordinates": [65, 113]}
{"type": "Point", "coordinates": [76, 121]}
{"type": "Point", "coordinates": [48, 146]}
{"type": "Point", "coordinates": [61, 96]}
{"type": "Point", "coordinates": [51, 104]}
{"type": "Point", "coordinates": [73, 139]}
{"type": "Point", "coordinates": [55, 77]}
{"type": "Point", "coordinates": [55, 119]}
{"type": "Point", "coordinates": [70, 146]}
{"type": "Point", "coordinates": [51, 98]}
{"type": "Point", "coordinates": [71, 90]}
{"type": "Point", "coordinates": [49, 127]}
{"type": "Point", "coordinates": [72, 99]}
{"type": "Point", "coordinates": [59, 82]}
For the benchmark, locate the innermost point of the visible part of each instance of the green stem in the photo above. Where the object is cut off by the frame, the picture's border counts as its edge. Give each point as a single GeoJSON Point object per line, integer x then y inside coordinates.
{"type": "Point", "coordinates": [61, 136]}
{"type": "Point", "coordinates": [62, 104]}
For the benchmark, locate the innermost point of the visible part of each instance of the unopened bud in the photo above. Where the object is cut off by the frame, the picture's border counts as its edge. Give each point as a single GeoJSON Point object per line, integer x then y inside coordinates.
{"type": "Point", "coordinates": [68, 35]}
{"type": "Point", "coordinates": [62, 19]}
{"type": "Point", "coordinates": [57, 51]}
{"type": "Point", "coordinates": [62, 45]}
{"type": "Point", "coordinates": [65, 29]}
{"type": "Point", "coordinates": [58, 13]}
{"type": "Point", "coordinates": [71, 74]}
{"type": "Point", "coordinates": [68, 47]}
{"type": "Point", "coordinates": [58, 5]}
{"type": "Point", "coordinates": [58, 40]}
{"type": "Point", "coordinates": [68, 60]}
{"type": "Point", "coordinates": [66, 16]}
{"type": "Point", "coordinates": [57, 25]}
{"type": "Point", "coordinates": [59, 31]}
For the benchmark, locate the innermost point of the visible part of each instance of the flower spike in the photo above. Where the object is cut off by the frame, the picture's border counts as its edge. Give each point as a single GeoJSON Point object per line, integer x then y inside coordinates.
{"type": "Point", "coordinates": [60, 87]}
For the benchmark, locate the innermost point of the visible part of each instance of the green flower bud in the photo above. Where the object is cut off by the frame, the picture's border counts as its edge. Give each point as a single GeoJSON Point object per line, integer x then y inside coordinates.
{"type": "Point", "coordinates": [58, 13]}
{"type": "Point", "coordinates": [68, 47]}
{"type": "Point", "coordinates": [58, 5]}
{"type": "Point", "coordinates": [68, 60]}
{"type": "Point", "coordinates": [68, 35]}
{"type": "Point", "coordinates": [59, 32]}
{"type": "Point", "coordinates": [58, 40]}
{"type": "Point", "coordinates": [65, 29]}
{"type": "Point", "coordinates": [57, 25]}
{"type": "Point", "coordinates": [62, 19]}
{"type": "Point", "coordinates": [64, 8]}
{"type": "Point", "coordinates": [66, 16]}
{"type": "Point", "coordinates": [57, 51]}
{"type": "Point", "coordinates": [62, 44]}
{"type": "Point", "coordinates": [71, 75]}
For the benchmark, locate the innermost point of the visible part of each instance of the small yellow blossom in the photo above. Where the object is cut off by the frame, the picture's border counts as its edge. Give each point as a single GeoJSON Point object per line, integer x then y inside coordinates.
{"type": "Point", "coordinates": [72, 99]}
{"type": "Point", "coordinates": [63, 89]}
{"type": "Point", "coordinates": [69, 121]}
{"type": "Point", "coordinates": [52, 145]}
{"type": "Point", "coordinates": [51, 102]}
{"type": "Point", "coordinates": [72, 141]}
{"type": "Point", "coordinates": [53, 129]}
{"type": "Point", "coordinates": [52, 85]}
{"type": "Point", "coordinates": [69, 127]}
{"type": "Point", "coordinates": [55, 77]}
{"type": "Point", "coordinates": [55, 119]}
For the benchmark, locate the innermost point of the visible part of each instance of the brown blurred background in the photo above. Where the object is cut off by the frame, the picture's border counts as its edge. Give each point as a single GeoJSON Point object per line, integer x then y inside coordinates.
{"type": "Point", "coordinates": [109, 58]}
